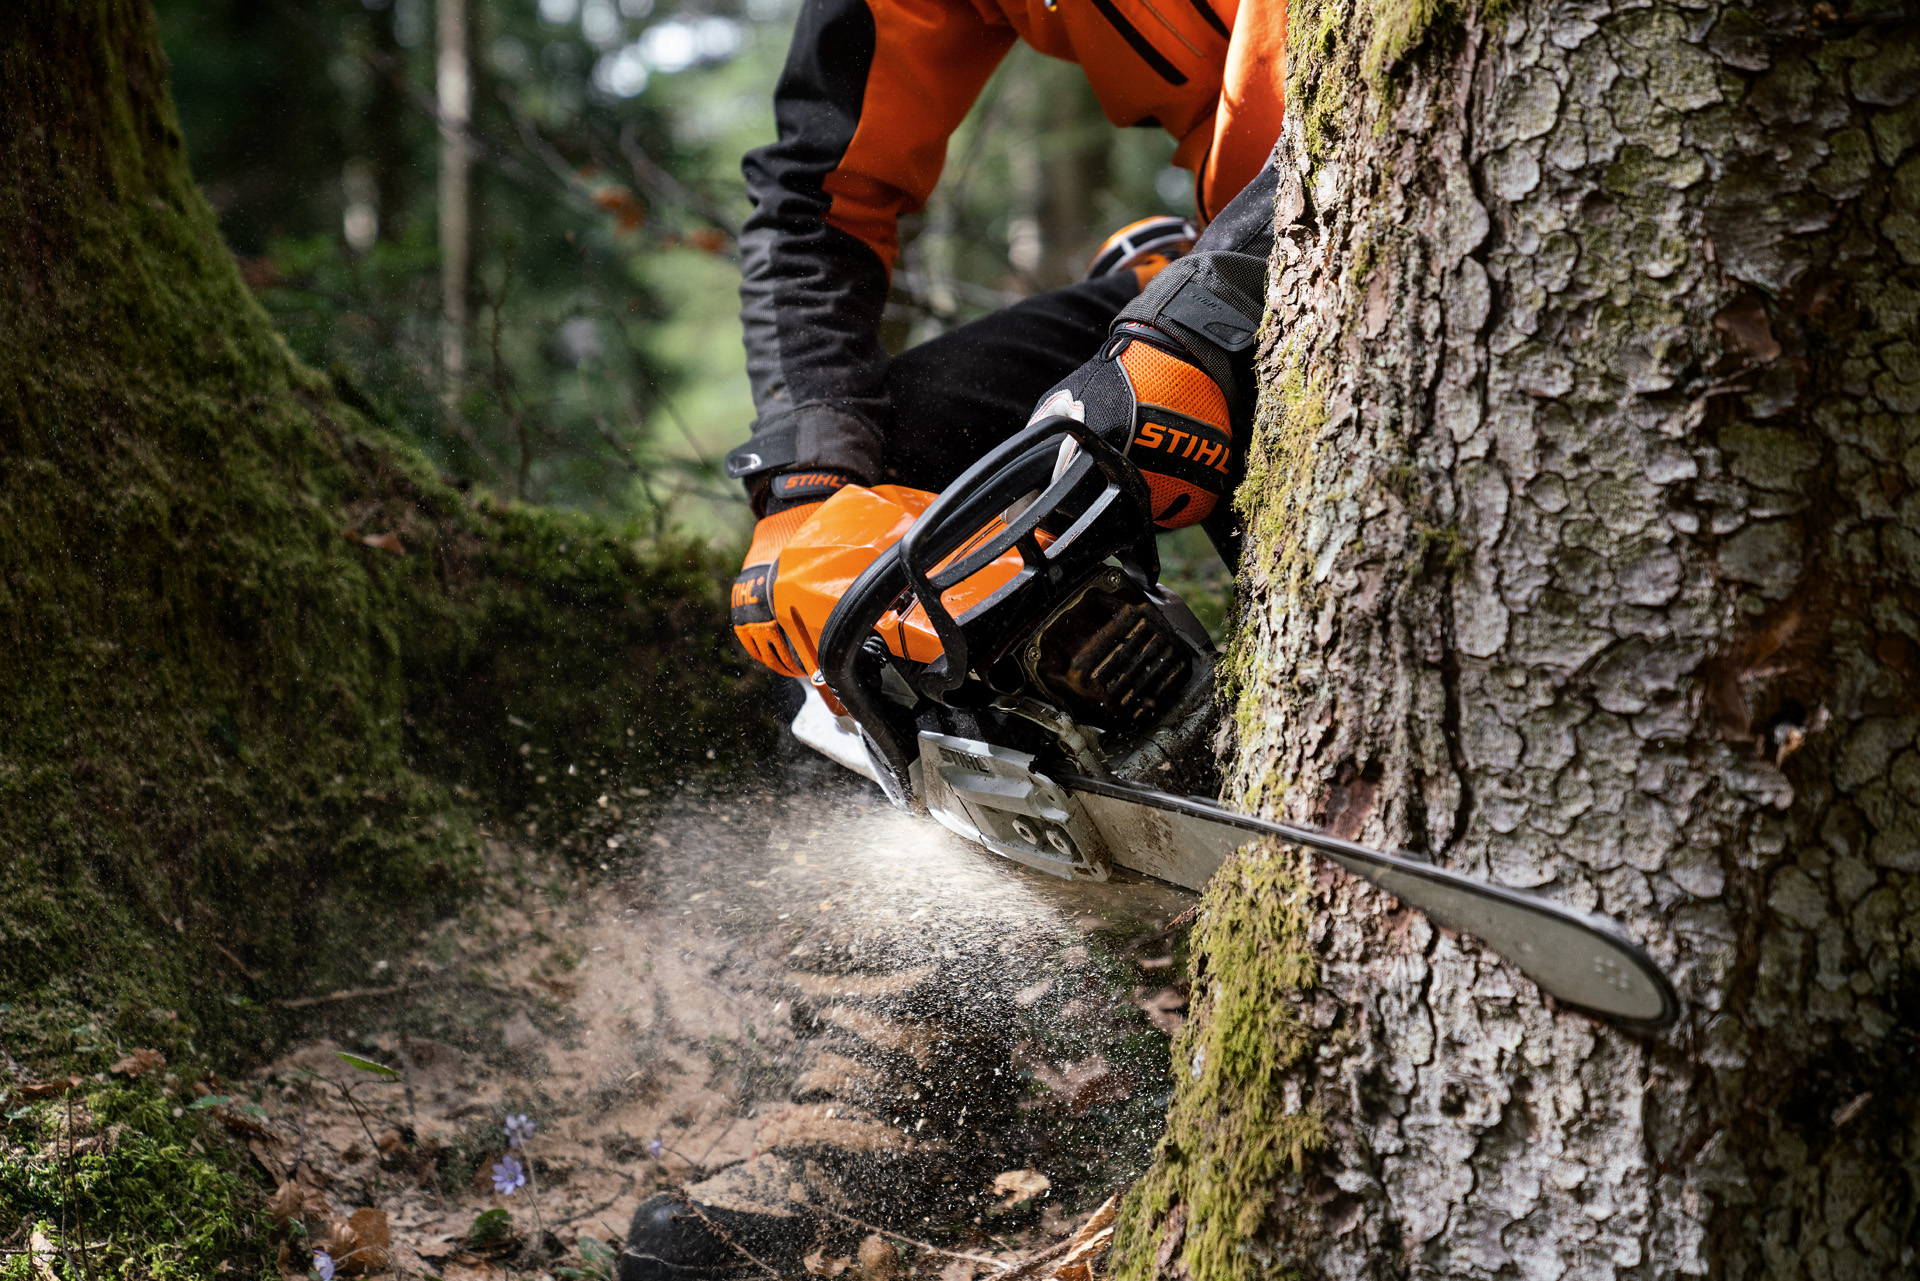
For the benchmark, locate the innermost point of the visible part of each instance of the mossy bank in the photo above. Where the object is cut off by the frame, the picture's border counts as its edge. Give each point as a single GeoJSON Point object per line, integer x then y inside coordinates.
{"type": "Point", "coordinates": [265, 673]}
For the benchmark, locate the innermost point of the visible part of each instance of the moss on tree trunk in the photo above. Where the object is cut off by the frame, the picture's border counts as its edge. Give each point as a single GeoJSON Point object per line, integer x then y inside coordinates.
{"type": "Point", "coordinates": [1586, 499]}
{"type": "Point", "coordinates": [264, 670]}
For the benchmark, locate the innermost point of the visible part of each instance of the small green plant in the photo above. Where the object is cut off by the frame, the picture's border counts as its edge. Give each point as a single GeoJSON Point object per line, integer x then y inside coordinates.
{"type": "Point", "coordinates": [491, 1228]}
{"type": "Point", "coordinates": [596, 1262]}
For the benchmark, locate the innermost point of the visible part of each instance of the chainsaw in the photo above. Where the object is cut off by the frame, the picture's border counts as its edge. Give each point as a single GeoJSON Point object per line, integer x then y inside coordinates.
{"type": "Point", "coordinates": [1003, 656]}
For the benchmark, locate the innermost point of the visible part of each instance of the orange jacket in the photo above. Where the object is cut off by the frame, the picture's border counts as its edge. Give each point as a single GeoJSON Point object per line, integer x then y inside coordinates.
{"type": "Point", "coordinates": [870, 94]}
{"type": "Point", "coordinates": [1210, 72]}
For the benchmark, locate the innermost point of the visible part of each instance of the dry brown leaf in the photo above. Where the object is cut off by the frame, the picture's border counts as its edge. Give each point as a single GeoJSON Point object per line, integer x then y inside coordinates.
{"type": "Point", "coordinates": [243, 1124]}
{"type": "Point", "coordinates": [41, 1253]}
{"type": "Point", "coordinates": [1088, 1244]}
{"type": "Point", "coordinates": [138, 1064]}
{"type": "Point", "coordinates": [1165, 1009]}
{"type": "Point", "coordinates": [878, 1259]}
{"type": "Point", "coordinates": [821, 1264]}
{"type": "Point", "coordinates": [1090, 1083]}
{"type": "Point", "coordinates": [1017, 1186]}
{"type": "Point", "coordinates": [362, 1244]}
{"type": "Point", "coordinates": [51, 1089]}
{"type": "Point", "coordinates": [286, 1203]}
{"type": "Point", "coordinates": [270, 1150]}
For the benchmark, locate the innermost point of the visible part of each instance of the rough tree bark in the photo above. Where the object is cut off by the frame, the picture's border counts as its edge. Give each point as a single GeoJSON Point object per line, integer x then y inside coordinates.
{"type": "Point", "coordinates": [1586, 508]}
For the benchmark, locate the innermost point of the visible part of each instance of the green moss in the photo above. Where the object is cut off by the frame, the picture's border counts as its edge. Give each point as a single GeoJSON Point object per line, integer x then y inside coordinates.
{"type": "Point", "coordinates": [1398, 27]}
{"type": "Point", "coordinates": [1315, 85]}
{"type": "Point", "coordinates": [118, 1186]}
{"type": "Point", "coordinates": [1279, 473]}
{"type": "Point", "coordinates": [243, 745]}
{"type": "Point", "coordinates": [1230, 1135]}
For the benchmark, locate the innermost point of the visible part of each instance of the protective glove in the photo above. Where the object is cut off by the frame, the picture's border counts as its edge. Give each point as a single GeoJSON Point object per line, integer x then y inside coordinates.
{"type": "Point", "coordinates": [791, 501]}
{"type": "Point", "coordinates": [1145, 394]}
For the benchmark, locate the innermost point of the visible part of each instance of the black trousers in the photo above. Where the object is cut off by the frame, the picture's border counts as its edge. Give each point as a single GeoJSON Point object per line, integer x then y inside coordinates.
{"type": "Point", "coordinates": [957, 396]}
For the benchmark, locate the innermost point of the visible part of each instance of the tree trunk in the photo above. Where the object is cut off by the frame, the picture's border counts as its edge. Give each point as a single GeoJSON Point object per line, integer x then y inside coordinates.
{"type": "Point", "coordinates": [1585, 501]}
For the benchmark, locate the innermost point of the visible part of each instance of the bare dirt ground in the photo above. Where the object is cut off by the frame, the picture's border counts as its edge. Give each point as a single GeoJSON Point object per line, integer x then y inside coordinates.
{"type": "Point", "coordinates": [941, 1062]}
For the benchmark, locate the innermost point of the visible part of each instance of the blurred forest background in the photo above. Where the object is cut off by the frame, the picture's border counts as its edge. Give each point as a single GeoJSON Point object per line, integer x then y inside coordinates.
{"type": "Point", "coordinates": [544, 298]}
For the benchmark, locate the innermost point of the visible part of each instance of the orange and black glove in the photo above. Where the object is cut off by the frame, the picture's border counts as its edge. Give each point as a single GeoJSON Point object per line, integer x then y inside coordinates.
{"type": "Point", "coordinates": [1164, 388]}
{"type": "Point", "coordinates": [1145, 394]}
{"type": "Point", "coordinates": [791, 501]}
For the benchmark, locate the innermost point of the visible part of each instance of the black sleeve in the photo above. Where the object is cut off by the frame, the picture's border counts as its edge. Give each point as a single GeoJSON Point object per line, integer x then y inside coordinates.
{"type": "Point", "coordinates": [811, 295]}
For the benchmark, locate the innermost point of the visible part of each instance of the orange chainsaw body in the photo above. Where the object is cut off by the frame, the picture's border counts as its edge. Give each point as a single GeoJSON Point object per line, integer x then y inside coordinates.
{"type": "Point", "coordinates": [848, 533]}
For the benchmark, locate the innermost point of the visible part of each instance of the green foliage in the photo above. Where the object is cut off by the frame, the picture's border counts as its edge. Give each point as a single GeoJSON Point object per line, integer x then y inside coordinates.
{"type": "Point", "coordinates": [118, 1186]}
{"type": "Point", "coordinates": [597, 1262]}
{"type": "Point", "coordinates": [365, 1065]}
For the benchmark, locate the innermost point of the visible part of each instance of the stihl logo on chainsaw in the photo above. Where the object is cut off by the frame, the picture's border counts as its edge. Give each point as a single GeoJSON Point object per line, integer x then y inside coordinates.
{"type": "Point", "coordinates": [1181, 443]}
{"type": "Point", "coordinates": [965, 760]}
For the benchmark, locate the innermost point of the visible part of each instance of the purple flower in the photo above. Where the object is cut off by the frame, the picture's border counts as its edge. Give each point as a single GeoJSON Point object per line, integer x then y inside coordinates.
{"type": "Point", "coordinates": [323, 1265]}
{"type": "Point", "coordinates": [508, 1175]}
{"type": "Point", "coordinates": [519, 1130]}
{"type": "Point", "coordinates": [654, 1148]}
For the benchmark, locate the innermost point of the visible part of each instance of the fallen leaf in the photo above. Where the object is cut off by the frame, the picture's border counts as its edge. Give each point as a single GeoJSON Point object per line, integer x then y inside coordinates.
{"type": "Point", "coordinates": [361, 1243]}
{"type": "Point", "coordinates": [1018, 1186]}
{"type": "Point", "coordinates": [50, 1089]}
{"type": "Point", "coordinates": [821, 1264]}
{"type": "Point", "coordinates": [1087, 1084]}
{"type": "Point", "coordinates": [1172, 1233]}
{"type": "Point", "coordinates": [242, 1121]}
{"type": "Point", "coordinates": [878, 1259]}
{"type": "Point", "coordinates": [138, 1064]}
{"type": "Point", "coordinates": [41, 1253]}
{"type": "Point", "coordinates": [270, 1151]}
{"type": "Point", "coordinates": [1745, 324]}
{"type": "Point", "coordinates": [1087, 1244]}
{"type": "Point", "coordinates": [1164, 1009]}
{"type": "Point", "coordinates": [286, 1203]}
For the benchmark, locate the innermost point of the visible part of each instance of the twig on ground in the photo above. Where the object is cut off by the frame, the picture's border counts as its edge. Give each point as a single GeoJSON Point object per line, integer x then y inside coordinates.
{"type": "Point", "coordinates": [1005, 1268]}
{"type": "Point", "coordinates": [1033, 1263]}
{"type": "Point", "coordinates": [237, 964]}
{"type": "Point", "coordinates": [355, 1105]}
{"type": "Point", "coordinates": [727, 1237]}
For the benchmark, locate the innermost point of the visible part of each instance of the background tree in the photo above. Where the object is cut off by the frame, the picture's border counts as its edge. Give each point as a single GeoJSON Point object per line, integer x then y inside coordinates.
{"type": "Point", "coordinates": [1585, 511]}
{"type": "Point", "coordinates": [602, 353]}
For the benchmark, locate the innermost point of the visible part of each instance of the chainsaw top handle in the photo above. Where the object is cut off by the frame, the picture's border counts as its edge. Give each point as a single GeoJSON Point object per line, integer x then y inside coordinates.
{"type": "Point", "coordinates": [1118, 519]}
{"type": "Point", "coordinates": [987, 490]}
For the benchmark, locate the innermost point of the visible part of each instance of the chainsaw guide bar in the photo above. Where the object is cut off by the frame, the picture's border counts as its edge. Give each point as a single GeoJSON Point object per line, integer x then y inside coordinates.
{"type": "Point", "coordinates": [1071, 825]}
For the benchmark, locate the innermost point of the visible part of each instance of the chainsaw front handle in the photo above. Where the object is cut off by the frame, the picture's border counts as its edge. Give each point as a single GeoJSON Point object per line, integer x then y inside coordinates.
{"type": "Point", "coordinates": [985, 491]}
{"type": "Point", "coordinates": [1013, 469]}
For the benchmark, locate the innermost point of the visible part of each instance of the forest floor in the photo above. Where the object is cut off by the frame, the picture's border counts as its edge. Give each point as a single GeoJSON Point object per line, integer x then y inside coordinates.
{"type": "Point", "coordinates": [960, 1059]}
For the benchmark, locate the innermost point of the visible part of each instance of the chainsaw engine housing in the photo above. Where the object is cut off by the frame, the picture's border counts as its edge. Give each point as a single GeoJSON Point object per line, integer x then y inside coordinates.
{"type": "Point", "coordinates": [1072, 654]}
